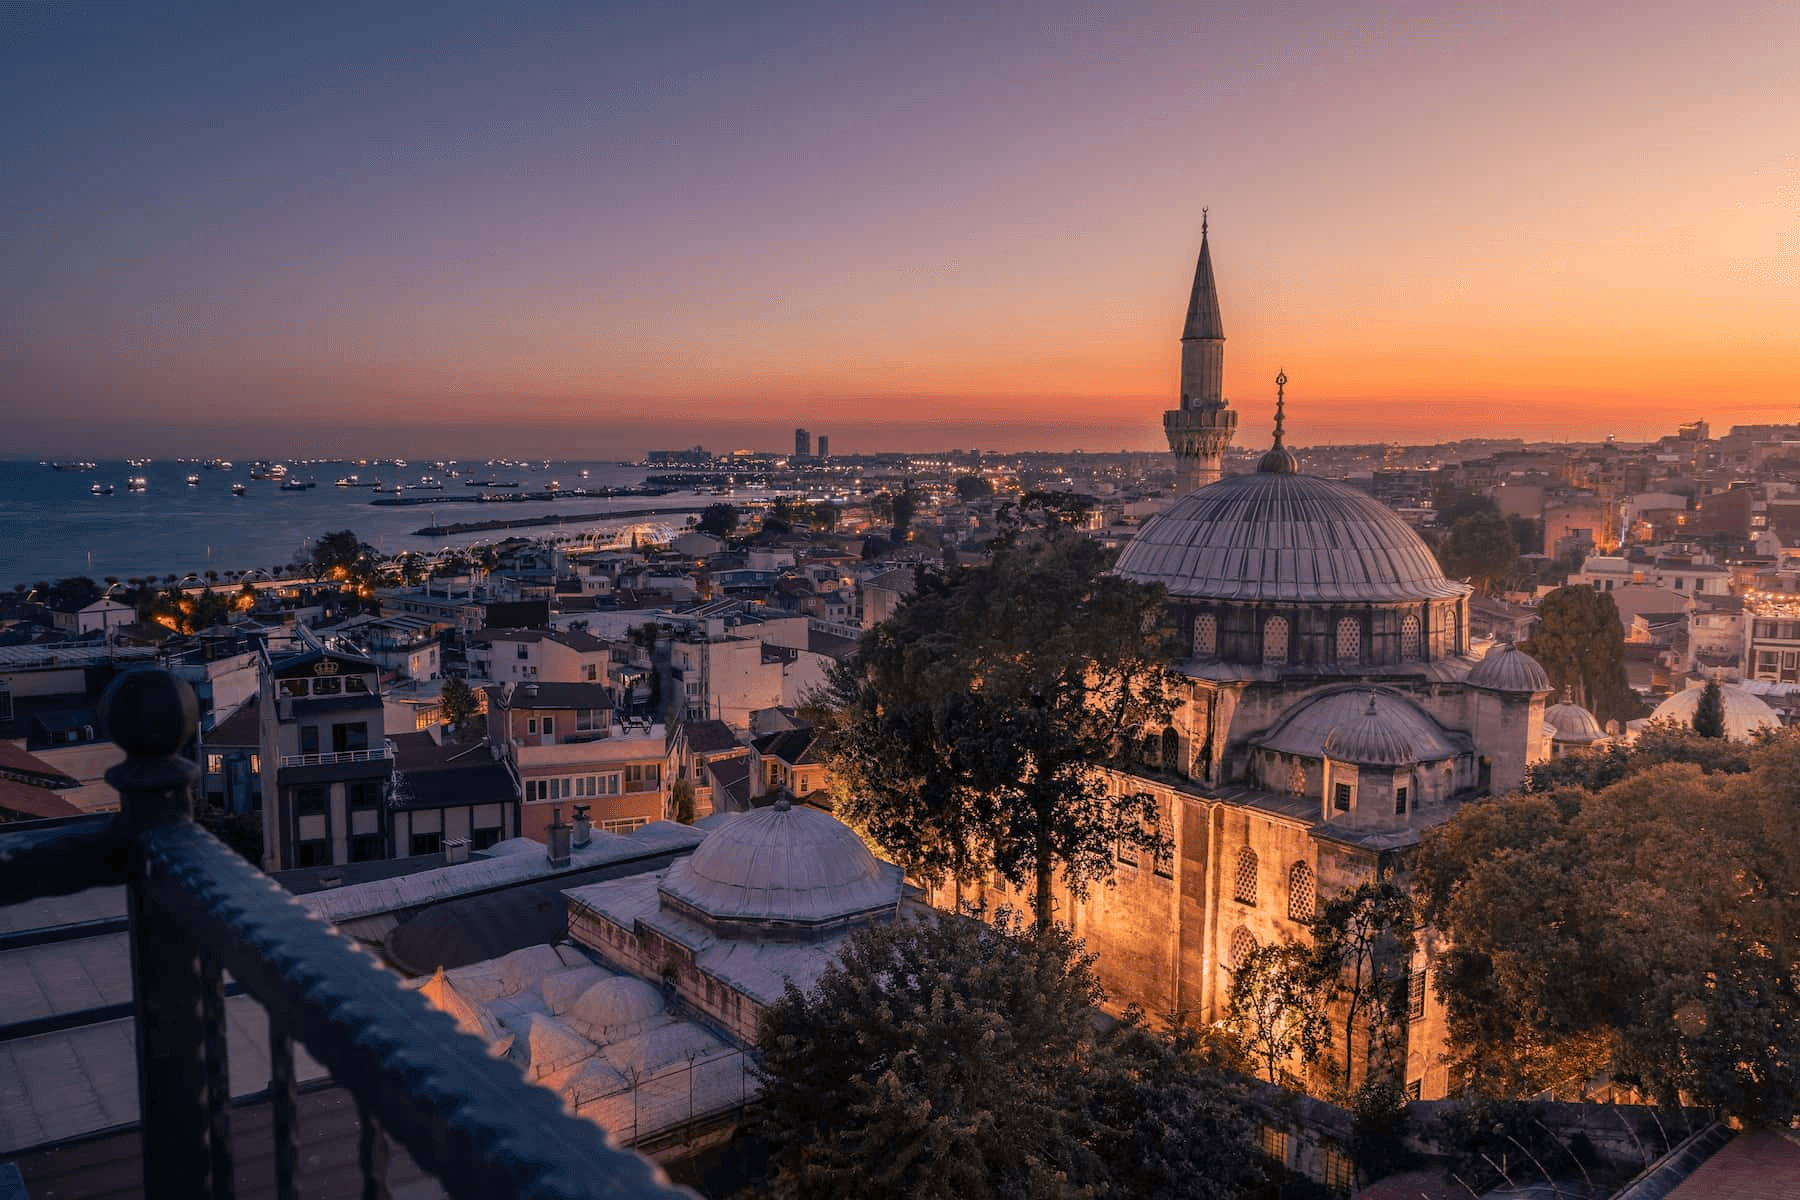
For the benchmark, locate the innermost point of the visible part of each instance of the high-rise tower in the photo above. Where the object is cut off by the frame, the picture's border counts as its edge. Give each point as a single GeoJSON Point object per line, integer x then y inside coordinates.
{"type": "Point", "coordinates": [1201, 428]}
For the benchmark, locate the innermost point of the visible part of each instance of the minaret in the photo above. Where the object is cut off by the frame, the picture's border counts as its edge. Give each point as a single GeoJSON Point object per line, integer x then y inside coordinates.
{"type": "Point", "coordinates": [1201, 428]}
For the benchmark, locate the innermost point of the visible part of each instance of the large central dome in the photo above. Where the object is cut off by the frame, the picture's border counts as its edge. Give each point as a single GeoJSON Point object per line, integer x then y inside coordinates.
{"type": "Point", "coordinates": [1284, 537]}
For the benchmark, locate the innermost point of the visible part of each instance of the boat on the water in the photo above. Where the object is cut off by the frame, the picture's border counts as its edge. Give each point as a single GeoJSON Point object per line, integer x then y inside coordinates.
{"type": "Point", "coordinates": [297, 485]}
{"type": "Point", "coordinates": [137, 483]}
{"type": "Point", "coordinates": [217, 464]}
{"type": "Point", "coordinates": [72, 465]}
{"type": "Point", "coordinates": [428, 484]}
{"type": "Point", "coordinates": [349, 481]}
{"type": "Point", "coordinates": [101, 489]}
{"type": "Point", "coordinates": [193, 481]}
{"type": "Point", "coordinates": [238, 489]}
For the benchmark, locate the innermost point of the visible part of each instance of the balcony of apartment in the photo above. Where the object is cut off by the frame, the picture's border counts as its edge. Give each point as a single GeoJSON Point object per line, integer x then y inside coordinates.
{"type": "Point", "coordinates": [203, 925]}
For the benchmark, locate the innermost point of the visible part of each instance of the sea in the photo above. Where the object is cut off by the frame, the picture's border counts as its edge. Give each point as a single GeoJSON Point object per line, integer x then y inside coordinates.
{"type": "Point", "coordinates": [53, 526]}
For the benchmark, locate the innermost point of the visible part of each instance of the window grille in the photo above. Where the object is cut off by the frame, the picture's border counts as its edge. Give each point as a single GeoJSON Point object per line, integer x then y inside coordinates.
{"type": "Point", "coordinates": [1275, 642]}
{"type": "Point", "coordinates": [1171, 749]}
{"type": "Point", "coordinates": [1206, 634]}
{"type": "Point", "coordinates": [1243, 945]}
{"type": "Point", "coordinates": [1273, 1143]}
{"type": "Point", "coordinates": [1415, 996]}
{"type": "Point", "coordinates": [1165, 856]}
{"type": "Point", "coordinates": [1399, 802]}
{"type": "Point", "coordinates": [1340, 797]}
{"type": "Point", "coordinates": [1409, 638]}
{"type": "Point", "coordinates": [1415, 1089]}
{"type": "Point", "coordinates": [1349, 640]}
{"type": "Point", "coordinates": [1245, 889]}
{"type": "Point", "coordinates": [1297, 778]}
{"type": "Point", "coordinates": [1300, 893]}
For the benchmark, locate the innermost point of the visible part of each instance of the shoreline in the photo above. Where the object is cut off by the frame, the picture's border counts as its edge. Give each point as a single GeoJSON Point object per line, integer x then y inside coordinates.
{"type": "Point", "coordinates": [551, 519]}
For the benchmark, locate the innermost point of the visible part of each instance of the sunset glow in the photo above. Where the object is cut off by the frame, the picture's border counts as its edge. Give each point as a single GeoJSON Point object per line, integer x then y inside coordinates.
{"type": "Point", "coordinates": [600, 230]}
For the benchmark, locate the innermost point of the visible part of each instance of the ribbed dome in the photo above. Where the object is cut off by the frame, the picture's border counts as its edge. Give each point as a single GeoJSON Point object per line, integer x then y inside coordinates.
{"type": "Point", "coordinates": [1744, 713]}
{"type": "Point", "coordinates": [1509, 669]}
{"type": "Point", "coordinates": [615, 1008]}
{"type": "Point", "coordinates": [788, 864]}
{"type": "Point", "coordinates": [1372, 740]}
{"type": "Point", "coordinates": [1338, 723]}
{"type": "Point", "coordinates": [1572, 723]}
{"type": "Point", "coordinates": [1272, 536]}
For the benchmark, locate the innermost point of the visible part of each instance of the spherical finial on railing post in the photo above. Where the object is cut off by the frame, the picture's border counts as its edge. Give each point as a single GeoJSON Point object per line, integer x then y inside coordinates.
{"type": "Point", "coordinates": [152, 716]}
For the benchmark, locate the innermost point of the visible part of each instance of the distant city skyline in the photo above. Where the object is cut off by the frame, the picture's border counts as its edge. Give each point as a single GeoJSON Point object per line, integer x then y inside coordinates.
{"type": "Point", "coordinates": [588, 231]}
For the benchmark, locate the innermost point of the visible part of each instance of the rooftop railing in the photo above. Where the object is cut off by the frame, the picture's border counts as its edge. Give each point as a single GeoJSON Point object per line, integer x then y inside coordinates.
{"type": "Point", "coordinates": [341, 756]}
{"type": "Point", "coordinates": [197, 911]}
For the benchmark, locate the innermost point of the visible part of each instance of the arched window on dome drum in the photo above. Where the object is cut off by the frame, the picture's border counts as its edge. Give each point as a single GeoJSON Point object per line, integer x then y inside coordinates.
{"type": "Point", "coordinates": [1243, 945]}
{"type": "Point", "coordinates": [1275, 642]}
{"type": "Point", "coordinates": [1300, 893]}
{"type": "Point", "coordinates": [1206, 634]}
{"type": "Point", "coordinates": [1349, 640]}
{"type": "Point", "coordinates": [1409, 638]}
{"type": "Point", "coordinates": [1171, 749]}
{"type": "Point", "coordinates": [1244, 888]}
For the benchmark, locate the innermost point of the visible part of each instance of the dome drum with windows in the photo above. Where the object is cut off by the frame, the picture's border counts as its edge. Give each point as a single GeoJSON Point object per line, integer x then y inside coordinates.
{"type": "Point", "coordinates": [1287, 570]}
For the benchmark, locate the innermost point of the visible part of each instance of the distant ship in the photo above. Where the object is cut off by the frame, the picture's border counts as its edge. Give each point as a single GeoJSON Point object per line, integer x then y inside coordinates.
{"type": "Point", "coordinates": [297, 485]}
{"type": "Point", "coordinates": [193, 481]}
{"type": "Point", "coordinates": [101, 489]}
{"type": "Point", "coordinates": [428, 484]}
{"type": "Point", "coordinates": [238, 489]}
{"type": "Point", "coordinates": [137, 483]}
{"type": "Point", "coordinates": [217, 464]}
{"type": "Point", "coordinates": [72, 465]}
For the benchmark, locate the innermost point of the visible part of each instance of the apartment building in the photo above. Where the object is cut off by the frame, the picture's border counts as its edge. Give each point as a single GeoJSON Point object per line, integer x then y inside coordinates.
{"type": "Point", "coordinates": [568, 743]}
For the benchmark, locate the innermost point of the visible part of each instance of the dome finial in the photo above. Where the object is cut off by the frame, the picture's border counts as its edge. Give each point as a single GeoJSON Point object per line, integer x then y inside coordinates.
{"type": "Point", "coordinates": [1203, 223]}
{"type": "Point", "coordinates": [1279, 461]}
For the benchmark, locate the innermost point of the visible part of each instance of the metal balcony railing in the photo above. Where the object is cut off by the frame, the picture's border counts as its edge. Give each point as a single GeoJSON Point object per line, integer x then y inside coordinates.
{"type": "Point", "coordinates": [340, 756]}
{"type": "Point", "coordinates": [196, 911]}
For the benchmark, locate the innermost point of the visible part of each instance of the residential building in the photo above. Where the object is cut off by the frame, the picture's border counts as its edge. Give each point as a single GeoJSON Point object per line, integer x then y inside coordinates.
{"type": "Point", "coordinates": [568, 743]}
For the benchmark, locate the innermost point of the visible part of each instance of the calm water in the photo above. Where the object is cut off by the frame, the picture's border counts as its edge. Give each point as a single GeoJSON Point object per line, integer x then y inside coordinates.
{"type": "Point", "coordinates": [52, 526]}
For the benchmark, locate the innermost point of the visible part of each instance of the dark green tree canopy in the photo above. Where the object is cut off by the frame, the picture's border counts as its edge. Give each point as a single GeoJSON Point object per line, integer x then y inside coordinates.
{"type": "Point", "coordinates": [1580, 642]}
{"type": "Point", "coordinates": [941, 1056]}
{"type": "Point", "coordinates": [1480, 548]}
{"type": "Point", "coordinates": [972, 487]}
{"type": "Point", "coordinates": [720, 520]}
{"type": "Point", "coordinates": [969, 730]}
{"type": "Point", "coordinates": [1709, 714]}
{"type": "Point", "coordinates": [1646, 930]}
{"type": "Point", "coordinates": [458, 705]}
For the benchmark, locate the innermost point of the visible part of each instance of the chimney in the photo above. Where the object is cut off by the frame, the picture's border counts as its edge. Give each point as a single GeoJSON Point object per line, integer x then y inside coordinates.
{"type": "Point", "coordinates": [456, 850]}
{"type": "Point", "coordinates": [584, 828]}
{"type": "Point", "coordinates": [559, 840]}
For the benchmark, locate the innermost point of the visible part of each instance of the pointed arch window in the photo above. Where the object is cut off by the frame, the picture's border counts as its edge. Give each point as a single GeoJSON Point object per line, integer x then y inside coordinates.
{"type": "Point", "coordinates": [1244, 886]}
{"type": "Point", "coordinates": [1349, 640]}
{"type": "Point", "coordinates": [1171, 749]}
{"type": "Point", "coordinates": [1243, 945]}
{"type": "Point", "coordinates": [1301, 894]}
{"type": "Point", "coordinates": [1409, 638]}
{"type": "Point", "coordinates": [1206, 634]}
{"type": "Point", "coordinates": [1275, 642]}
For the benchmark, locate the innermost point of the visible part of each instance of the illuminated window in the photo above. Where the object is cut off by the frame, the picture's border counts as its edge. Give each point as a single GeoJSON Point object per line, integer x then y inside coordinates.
{"type": "Point", "coordinates": [215, 763]}
{"type": "Point", "coordinates": [1206, 634]}
{"type": "Point", "coordinates": [1300, 893]}
{"type": "Point", "coordinates": [1273, 1143]}
{"type": "Point", "coordinates": [1275, 641]}
{"type": "Point", "coordinates": [1243, 945]}
{"type": "Point", "coordinates": [1245, 884]}
{"type": "Point", "coordinates": [1340, 1174]}
{"type": "Point", "coordinates": [1409, 638]}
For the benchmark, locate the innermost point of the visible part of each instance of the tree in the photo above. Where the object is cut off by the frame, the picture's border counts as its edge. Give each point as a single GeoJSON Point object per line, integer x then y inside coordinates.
{"type": "Point", "coordinates": [1361, 960]}
{"type": "Point", "coordinates": [947, 1057]}
{"type": "Point", "coordinates": [1709, 714]}
{"type": "Point", "coordinates": [1580, 642]}
{"type": "Point", "coordinates": [906, 506]}
{"type": "Point", "coordinates": [77, 591]}
{"type": "Point", "coordinates": [1481, 549]}
{"type": "Point", "coordinates": [972, 487]}
{"type": "Point", "coordinates": [1645, 931]}
{"type": "Point", "coordinates": [822, 516]}
{"type": "Point", "coordinates": [340, 555]}
{"type": "Point", "coordinates": [970, 729]}
{"type": "Point", "coordinates": [681, 800]}
{"type": "Point", "coordinates": [1453, 504]}
{"type": "Point", "coordinates": [458, 705]}
{"type": "Point", "coordinates": [1273, 1008]}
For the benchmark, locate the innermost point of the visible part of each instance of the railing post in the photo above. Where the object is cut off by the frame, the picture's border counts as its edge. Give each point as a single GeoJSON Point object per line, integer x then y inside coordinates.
{"type": "Point", "coordinates": [183, 1086]}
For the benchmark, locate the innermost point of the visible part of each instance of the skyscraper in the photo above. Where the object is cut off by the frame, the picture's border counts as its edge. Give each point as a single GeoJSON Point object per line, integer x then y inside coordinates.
{"type": "Point", "coordinates": [1201, 428]}
{"type": "Point", "coordinates": [802, 444]}
{"type": "Point", "coordinates": [824, 445]}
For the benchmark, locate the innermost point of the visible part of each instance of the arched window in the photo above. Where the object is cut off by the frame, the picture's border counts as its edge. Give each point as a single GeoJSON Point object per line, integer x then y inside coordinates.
{"type": "Point", "coordinates": [1206, 634]}
{"type": "Point", "coordinates": [1297, 777]}
{"type": "Point", "coordinates": [1300, 893]}
{"type": "Point", "coordinates": [1150, 750]}
{"type": "Point", "coordinates": [1349, 640]}
{"type": "Point", "coordinates": [1171, 749]}
{"type": "Point", "coordinates": [1243, 945]}
{"type": "Point", "coordinates": [1409, 639]}
{"type": "Point", "coordinates": [1245, 884]}
{"type": "Point", "coordinates": [1275, 641]}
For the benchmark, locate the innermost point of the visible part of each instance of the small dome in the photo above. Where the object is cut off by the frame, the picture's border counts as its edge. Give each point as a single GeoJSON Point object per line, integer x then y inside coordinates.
{"type": "Point", "coordinates": [1570, 722]}
{"type": "Point", "coordinates": [1331, 724]}
{"type": "Point", "coordinates": [681, 1042]}
{"type": "Point", "coordinates": [1744, 713]}
{"type": "Point", "coordinates": [1371, 741]}
{"type": "Point", "coordinates": [543, 1045]}
{"type": "Point", "coordinates": [1509, 669]}
{"type": "Point", "coordinates": [615, 1008]}
{"type": "Point", "coordinates": [1279, 536]}
{"type": "Point", "coordinates": [787, 864]}
{"type": "Point", "coordinates": [562, 989]}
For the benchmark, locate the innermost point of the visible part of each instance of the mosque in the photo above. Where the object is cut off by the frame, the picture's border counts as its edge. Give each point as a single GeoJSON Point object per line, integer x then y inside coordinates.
{"type": "Point", "coordinates": [1333, 709]}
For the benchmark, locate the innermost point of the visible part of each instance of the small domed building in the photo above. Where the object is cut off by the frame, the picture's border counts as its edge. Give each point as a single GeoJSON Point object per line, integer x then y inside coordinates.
{"type": "Point", "coordinates": [1571, 728]}
{"type": "Point", "coordinates": [1333, 708]}
{"type": "Point", "coordinates": [1745, 713]}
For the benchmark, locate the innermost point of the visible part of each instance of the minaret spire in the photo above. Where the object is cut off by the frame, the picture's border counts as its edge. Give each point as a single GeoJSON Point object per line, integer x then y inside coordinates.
{"type": "Point", "coordinates": [1279, 460]}
{"type": "Point", "coordinates": [1202, 426]}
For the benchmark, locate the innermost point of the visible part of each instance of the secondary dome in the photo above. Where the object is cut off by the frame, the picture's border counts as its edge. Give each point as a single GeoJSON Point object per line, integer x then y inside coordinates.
{"type": "Point", "coordinates": [1569, 722]}
{"type": "Point", "coordinates": [783, 866]}
{"type": "Point", "coordinates": [1278, 536]}
{"type": "Point", "coordinates": [1509, 669]}
{"type": "Point", "coordinates": [1348, 721]}
{"type": "Point", "coordinates": [1744, 713]}
{"type": "Point", "coordinates": [1371, 740]}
